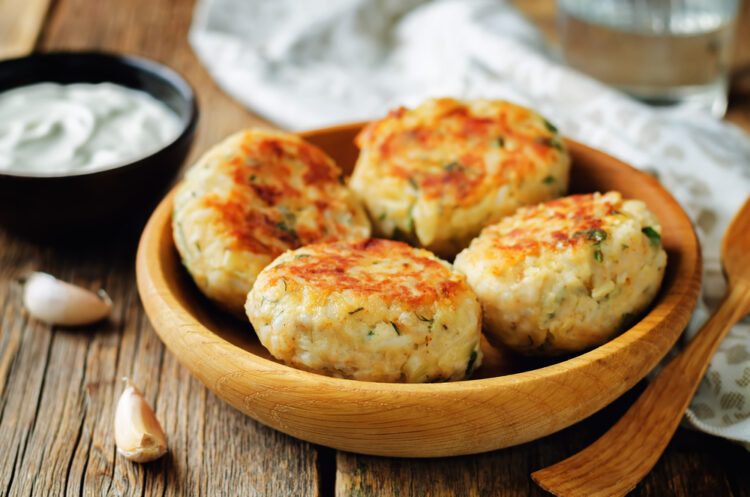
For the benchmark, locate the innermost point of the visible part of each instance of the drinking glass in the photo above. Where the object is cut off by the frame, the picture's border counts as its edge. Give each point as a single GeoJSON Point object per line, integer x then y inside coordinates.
{"type": "Point", "coordinates": [664, 52]}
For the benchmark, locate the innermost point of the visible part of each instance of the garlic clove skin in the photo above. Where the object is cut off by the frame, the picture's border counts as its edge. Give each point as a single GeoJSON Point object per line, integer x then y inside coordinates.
{"type": "Point", "coordinates": [56, 302]}
{"type": "Point", "coordinates": [138, 434]}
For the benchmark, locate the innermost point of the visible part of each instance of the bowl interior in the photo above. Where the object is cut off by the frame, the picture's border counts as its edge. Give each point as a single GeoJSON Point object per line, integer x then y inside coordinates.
{"type": "Point", "coordinates": [510, 401]}
{"type": "Point", "coordinates": [588, 174]}
{"type": "Point", "coordinates": [97, 67]}
{"type": "Point", "coordinates": [94, 203]}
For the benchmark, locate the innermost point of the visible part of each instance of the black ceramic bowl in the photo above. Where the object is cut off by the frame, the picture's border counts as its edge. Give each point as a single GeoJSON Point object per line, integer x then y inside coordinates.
{"type": "Point", "coordinates": [47, 206]}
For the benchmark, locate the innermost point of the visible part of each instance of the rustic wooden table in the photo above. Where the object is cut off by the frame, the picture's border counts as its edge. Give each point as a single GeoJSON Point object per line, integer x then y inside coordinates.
{"type": "Point", "coordinates": [58, 387]}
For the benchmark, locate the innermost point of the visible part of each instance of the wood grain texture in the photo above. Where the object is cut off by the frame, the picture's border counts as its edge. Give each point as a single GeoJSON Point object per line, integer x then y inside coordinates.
{"type": "Point", "coordinates": [419, 420]}
{"type": "Point", "coordinates": [615, 463]}
{"type": "Point", "coordinates": [59, 387]}
{"type": "Point", "coordinates": [695, 464]}
{"type": "Point", "coordinates": [215, 450]}
{"type": "Point", "coordinates": [20, 24]}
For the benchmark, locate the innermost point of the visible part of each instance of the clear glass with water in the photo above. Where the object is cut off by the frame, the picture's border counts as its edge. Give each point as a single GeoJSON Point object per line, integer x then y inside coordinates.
{"type": "Point", "coordinates": [665, 52]}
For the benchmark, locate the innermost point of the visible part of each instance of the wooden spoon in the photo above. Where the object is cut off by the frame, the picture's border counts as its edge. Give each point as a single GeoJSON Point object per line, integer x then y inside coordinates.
{"type": "Point", "coordinates": [614, 464]}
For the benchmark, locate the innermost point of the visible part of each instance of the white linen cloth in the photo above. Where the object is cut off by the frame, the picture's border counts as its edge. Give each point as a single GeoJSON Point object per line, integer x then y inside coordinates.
{"type": "Point", "coordinates": [311, 63]}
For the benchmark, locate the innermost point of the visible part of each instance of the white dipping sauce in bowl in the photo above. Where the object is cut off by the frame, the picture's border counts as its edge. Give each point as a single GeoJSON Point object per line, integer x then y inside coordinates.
{"type": "Point", "coordinates": [51, 128]}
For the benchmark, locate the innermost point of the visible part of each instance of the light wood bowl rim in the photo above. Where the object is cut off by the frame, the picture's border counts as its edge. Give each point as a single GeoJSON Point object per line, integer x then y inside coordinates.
{"type": "Point", "coordinates": [234, 374]}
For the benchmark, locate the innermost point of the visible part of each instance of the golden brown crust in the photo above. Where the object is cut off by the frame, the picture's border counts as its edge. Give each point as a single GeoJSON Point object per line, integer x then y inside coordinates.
{"type": "Point", "coordinates": [444, 152]}
{"type": "Point", "coordinates": [555, 224]}
{"type": "Point", "coordinates": [263, 178]}
{"type": "Point", "coordinates": [367, 267]}
{"type": "Point", "coordinates": [252, 197]}
{"type": "Point", "coordinates": [373, 310]}
{"type": "Point", "coordinates": [437, 174]}
{"type": "Point", "coordinates": [564, 275]}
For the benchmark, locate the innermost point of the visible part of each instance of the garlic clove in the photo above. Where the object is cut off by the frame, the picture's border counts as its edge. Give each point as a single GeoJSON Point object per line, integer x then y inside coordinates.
{"type": "Point", "coordinates": [57, 302]}
{"type": "Point", "coordinates": [138, 434]}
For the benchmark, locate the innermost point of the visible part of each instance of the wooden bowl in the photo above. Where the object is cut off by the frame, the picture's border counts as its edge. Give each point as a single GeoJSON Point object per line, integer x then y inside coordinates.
{"type": "Point", "coordinates": [512, 401]}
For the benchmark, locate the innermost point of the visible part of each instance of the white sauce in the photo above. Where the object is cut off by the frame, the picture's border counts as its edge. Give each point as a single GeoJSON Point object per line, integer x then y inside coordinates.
{"type": "Point", "coordinates": [53, 128]}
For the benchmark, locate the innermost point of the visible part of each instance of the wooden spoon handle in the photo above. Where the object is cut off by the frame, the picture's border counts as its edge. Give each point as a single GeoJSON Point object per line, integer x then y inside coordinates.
{"type": "Point", "coordinates": [614, 464]}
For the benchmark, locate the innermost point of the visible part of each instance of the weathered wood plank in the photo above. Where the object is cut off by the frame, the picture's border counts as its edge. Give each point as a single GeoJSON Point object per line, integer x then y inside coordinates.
{"type": "Point", "coordinates": [20, 24]}
{"type": "Point", "coordinates": [24, 376]}
{"type": "Point", "coordinates": [694, 464]}
{"type": "Point", "coordinates": [59, 388]}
